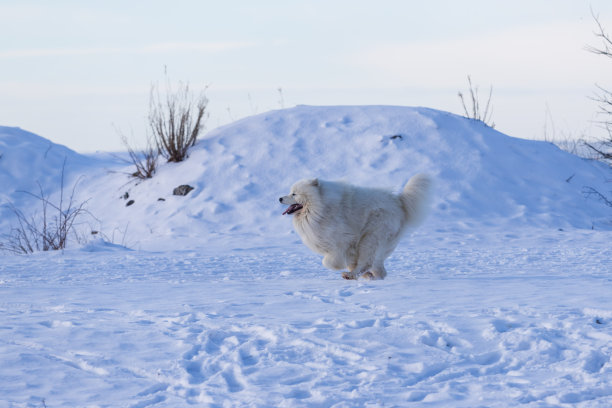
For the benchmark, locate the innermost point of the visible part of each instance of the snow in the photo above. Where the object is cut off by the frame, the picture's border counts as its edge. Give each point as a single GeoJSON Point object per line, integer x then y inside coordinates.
{"type": "Point", "coordinates": [501, 298]}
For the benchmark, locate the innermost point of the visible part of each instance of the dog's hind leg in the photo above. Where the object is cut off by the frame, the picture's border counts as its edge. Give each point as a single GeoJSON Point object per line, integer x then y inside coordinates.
{"type": "Point", "coordinates": [385, 248]}
{"type": "Point", "coordinates": [366, 255]}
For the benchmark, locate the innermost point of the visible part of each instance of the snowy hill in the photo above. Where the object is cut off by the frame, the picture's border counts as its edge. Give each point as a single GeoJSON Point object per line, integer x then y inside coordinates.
{"type": "Point", "coordinates": [501, 298]}
{"type": "Point", "coordinates": [483, 177]}
{"type": "Point", "coordinates": [28, 162]}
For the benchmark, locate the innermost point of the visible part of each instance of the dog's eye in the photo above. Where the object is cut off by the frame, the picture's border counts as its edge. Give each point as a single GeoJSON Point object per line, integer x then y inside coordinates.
{"type": "Point", "coordinates": [293, 195]}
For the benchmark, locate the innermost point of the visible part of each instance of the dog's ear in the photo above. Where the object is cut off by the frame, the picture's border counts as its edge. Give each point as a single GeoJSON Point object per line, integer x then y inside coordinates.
{"type": "Point", "coordinates": [314, 182]}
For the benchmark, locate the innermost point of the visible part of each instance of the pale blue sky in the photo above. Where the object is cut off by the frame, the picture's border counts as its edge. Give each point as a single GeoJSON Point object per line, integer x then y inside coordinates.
{"type": "Point", "coordinates": [73, 71]}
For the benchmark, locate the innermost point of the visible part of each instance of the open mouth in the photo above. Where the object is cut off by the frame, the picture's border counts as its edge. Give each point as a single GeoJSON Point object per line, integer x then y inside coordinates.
{"type": "Point", "coordinates": [293, 208]}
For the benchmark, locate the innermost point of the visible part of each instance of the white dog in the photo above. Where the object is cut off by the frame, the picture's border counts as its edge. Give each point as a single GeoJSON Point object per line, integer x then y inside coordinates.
{"type": "Point", "coordinates": [355, 227]}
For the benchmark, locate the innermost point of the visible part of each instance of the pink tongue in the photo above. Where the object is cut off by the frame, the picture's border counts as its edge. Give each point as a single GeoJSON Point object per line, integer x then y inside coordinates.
{"type": "Point", "coordinates": [291, 208]}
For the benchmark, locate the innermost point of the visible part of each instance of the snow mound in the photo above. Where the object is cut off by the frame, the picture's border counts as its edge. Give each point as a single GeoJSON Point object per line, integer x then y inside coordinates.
{"type": "Point", "coordinates": [483, 178]}
{"type": "Point", "coordinates": [482, 175]}
{"type": "Point", "coordinates": [27, 159]}
{"type": "Point", "coordinates": [28, 163]}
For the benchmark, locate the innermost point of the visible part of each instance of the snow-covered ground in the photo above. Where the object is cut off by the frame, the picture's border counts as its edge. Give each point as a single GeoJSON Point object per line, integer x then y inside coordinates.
{"type": "Point", "coordinates": [501, 298]}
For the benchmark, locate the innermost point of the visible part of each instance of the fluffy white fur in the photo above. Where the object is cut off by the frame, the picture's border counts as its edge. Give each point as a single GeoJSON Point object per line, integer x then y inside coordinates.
{"type": "Point", "coordinates": [355, 228]}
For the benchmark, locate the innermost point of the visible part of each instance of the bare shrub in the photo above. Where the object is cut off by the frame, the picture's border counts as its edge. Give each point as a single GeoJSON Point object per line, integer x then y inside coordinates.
{"type": "Point", "coordinates": [176, 120]}
{"type": "Point", "coordinates": [476, 112]}
{"type": "Point", "coordinates": [49, 231]}
{"type": "Point", "coordinates": [603, 148]}
{"type": "Point", "coordinates": [144, 160]}
{"type": "Point", "coordinates": [591, 192]}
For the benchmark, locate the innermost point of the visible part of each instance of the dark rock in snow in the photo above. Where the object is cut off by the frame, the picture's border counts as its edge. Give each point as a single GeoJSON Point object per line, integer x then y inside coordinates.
{"type": "Point", "coordinates": [182, 190]}
{"type": "Point", "coordinates": [129, 203]}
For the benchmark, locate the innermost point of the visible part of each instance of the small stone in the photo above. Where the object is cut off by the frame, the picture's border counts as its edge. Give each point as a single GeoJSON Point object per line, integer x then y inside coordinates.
{"type": "Point", "coordinates": [182, 190]}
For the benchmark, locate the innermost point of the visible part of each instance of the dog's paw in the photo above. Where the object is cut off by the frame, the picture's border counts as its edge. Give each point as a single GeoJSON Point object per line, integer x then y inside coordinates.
{"type": "Point", "coordinates": [349, 276]}
{"type": "Point", "coordinates": [368, 276]}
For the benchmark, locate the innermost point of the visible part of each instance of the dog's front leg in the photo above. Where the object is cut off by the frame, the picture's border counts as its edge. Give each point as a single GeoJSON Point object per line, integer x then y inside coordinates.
{"type": "Point", "coordinates": [350, 274]}
{"type": "Point", "coordinates": [334, 261]}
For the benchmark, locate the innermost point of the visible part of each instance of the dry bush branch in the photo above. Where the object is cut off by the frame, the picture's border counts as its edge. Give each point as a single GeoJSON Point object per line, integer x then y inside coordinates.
{"type": "Point", "coordinates": [591, 192]}
{"type": "Point", "coordinates": [176, 120]}
{"type": "Point", "coordinates": [606, 40]}
{"type": "Point", "coordinates": [49, 232]}
{"type": "Point", "coordinates": [476, 112]}
{"type": "Point", "coordinates": [603, 148]}
{"type": "Point", "coordinates": [145, 160]}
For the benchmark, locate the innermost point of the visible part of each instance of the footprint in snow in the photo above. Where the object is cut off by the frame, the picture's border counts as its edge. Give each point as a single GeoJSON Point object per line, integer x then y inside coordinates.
{"type": "Point", "coordinates": [361, 324]}
{"type": "Point", "coordinates": [503, 326]}
{"type": "Point", "coordinates": [298, 394]}
{"type": "Point", "coordinates": [234, 384]}
{"type": "Point", "coordinates": [248, 357]}
{"type": "Point", "coordinates": [195, 350]}
{"type": "Point", "coordinates": [194, 371]}
{"type": "Point", "coordinates": [595, 361]}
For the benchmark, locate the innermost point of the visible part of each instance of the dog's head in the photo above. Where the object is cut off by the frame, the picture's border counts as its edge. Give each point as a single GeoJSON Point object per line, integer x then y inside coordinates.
{"type": "Point", "coordinates": [300, 196]}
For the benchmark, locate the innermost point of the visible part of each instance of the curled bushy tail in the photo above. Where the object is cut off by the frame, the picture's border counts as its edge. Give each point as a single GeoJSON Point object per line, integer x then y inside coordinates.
{"type": "Point", "coordinates": [415, 198]}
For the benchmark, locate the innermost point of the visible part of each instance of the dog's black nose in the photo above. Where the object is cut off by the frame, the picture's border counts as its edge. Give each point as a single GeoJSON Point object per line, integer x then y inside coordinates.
{"type": "Point", "coordinates": [280, 199]}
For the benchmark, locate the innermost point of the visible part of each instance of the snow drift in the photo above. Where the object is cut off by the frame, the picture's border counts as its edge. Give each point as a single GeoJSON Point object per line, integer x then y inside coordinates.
{"type": "Point", "coordinates": [28, 163]}
{"type": "Point", "coordinates": [483, 177]}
